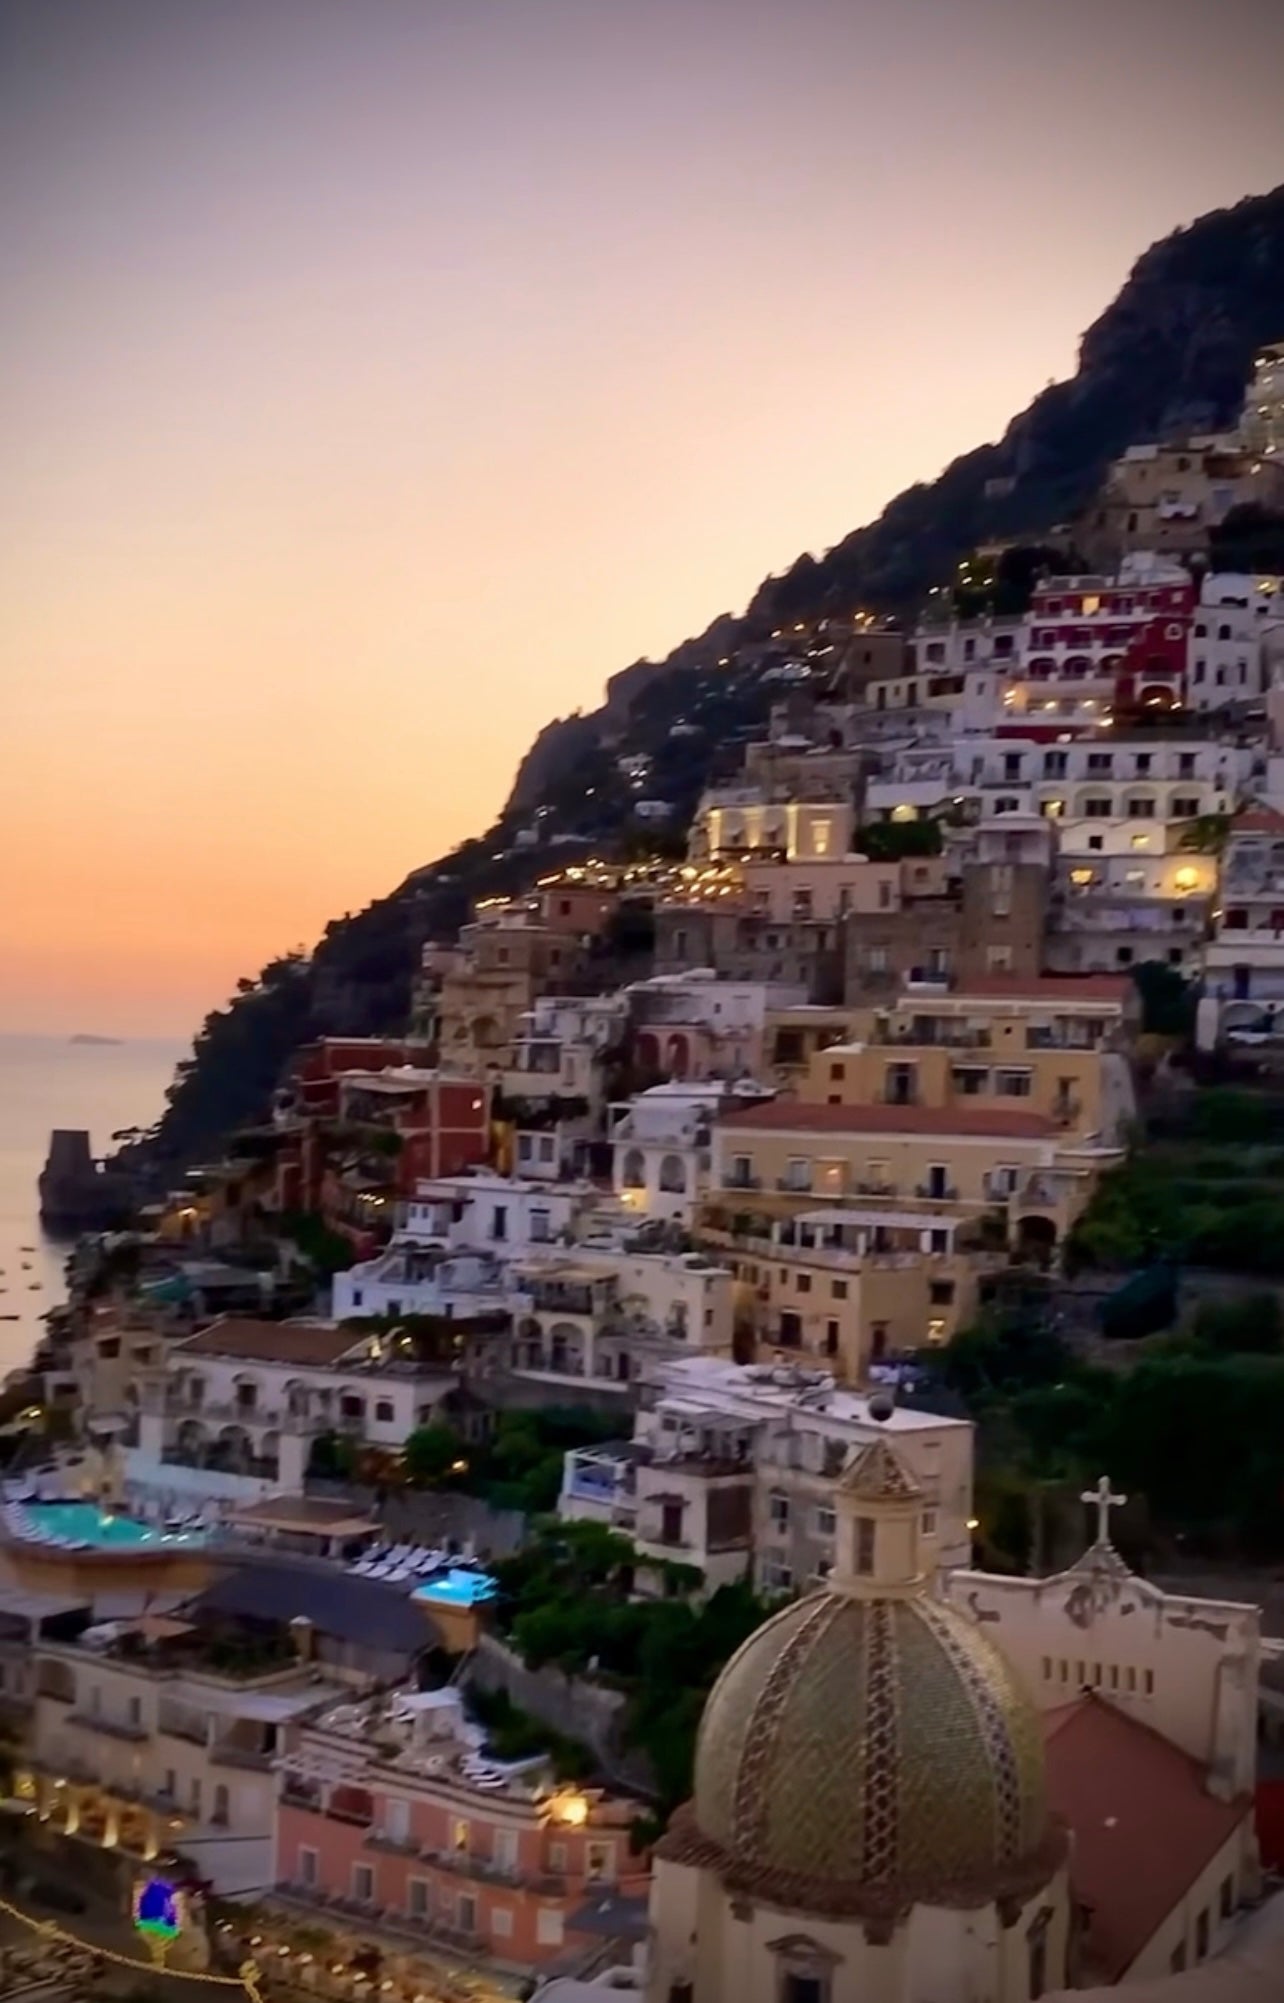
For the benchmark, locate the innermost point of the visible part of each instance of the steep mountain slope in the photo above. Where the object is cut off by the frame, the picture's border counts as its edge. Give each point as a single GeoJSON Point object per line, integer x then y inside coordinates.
{"type": "Point", "coordinates": [1172, 353]}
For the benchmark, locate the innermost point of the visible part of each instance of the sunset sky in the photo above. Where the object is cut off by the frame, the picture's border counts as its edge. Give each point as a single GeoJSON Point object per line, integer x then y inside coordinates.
{"type": "Point", "coordinates": [378, 376]}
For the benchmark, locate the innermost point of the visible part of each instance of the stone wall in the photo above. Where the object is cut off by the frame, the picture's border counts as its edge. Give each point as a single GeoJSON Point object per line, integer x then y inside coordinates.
{"type": "Point", "coordinates": [578, 1709]}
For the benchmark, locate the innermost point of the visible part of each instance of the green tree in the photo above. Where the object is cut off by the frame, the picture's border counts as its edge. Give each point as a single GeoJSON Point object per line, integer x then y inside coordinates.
{"type": "Point", "coordinates": [432, 1454]}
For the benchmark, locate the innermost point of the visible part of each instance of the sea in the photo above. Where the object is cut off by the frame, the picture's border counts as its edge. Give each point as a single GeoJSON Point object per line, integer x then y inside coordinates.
{"type": "Point", "coordinates": [47, 1082]}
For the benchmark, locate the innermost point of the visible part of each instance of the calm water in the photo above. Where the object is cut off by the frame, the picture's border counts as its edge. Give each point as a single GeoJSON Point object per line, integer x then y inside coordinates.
{"type": "Point", "coordinates": [46, 1082]}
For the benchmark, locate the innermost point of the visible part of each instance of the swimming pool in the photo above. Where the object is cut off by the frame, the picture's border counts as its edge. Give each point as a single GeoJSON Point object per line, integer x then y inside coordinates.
{"type": "Point", "coordinates": [457, 1589]}
{"type": "Point", "coordinates": [86, 1523]}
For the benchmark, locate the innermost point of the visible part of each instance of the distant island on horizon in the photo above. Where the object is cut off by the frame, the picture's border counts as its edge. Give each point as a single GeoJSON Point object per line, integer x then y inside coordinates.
{"type": "Point", "coordinates": [86, 1038]}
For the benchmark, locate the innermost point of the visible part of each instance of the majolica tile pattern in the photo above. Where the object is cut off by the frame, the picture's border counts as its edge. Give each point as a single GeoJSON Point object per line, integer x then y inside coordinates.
{"type": "Point", "coordinates": [867, 1754]}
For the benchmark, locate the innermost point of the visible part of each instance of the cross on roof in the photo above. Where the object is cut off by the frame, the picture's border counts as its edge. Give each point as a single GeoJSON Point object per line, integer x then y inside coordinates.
{"type": "Point", "coordinates": [1104, 1499]}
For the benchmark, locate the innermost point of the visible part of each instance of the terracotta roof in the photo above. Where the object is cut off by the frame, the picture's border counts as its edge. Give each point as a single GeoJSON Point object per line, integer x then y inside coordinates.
{"type": "Point", "coordinates": [798, 1116]}
{"type": "Point", "coordinates": [1144, 1825]}
{"type": "Point", "coordinates": [301, 1342]}
{"type": "Point", "coordinates": [1042, 987]}
{"type": "Point", "coordinates": [1258, 821]}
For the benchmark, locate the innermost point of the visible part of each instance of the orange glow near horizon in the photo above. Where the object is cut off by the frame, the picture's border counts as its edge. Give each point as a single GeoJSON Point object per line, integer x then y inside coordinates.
{"type": "Point", "coordinates": [379, 381]}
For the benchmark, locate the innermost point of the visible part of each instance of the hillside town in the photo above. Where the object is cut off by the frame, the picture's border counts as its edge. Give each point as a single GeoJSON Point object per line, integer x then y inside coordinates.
{"type": "Point", "coordinates": [578, 1471]}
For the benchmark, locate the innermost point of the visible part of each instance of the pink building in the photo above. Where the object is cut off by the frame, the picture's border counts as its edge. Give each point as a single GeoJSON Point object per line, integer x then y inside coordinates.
{"type": "Point", "coordinates": [393, 1817]}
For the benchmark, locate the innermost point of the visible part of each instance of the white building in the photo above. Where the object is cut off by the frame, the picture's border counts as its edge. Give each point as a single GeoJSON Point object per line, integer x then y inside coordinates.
{"type": "Point", "coordinates": [661, 1141]}
{"type": "Point", "coordinates": [233, 1412]}
{"type": "Point", "coordinates": [1110, 912]}
{"type": "Point", "coordinates": [732, 1469]}
{"type": "Point", "coordinates": [1238, 631]}
{"type": "Point", "coordinates": [145, 1752]}
{"type": "Point", "coordinates": [1244, 958]}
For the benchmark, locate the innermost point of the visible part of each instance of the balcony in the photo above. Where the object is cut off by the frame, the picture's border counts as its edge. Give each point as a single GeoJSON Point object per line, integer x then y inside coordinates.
{"type": "Point", "coordinates": [743, 1179]}
{"type": "Point", "coordinates": [110, 1728]}
{"type": "Point", "coordinates": [252, 1759]}
{"type": "Point", "coordinates": [932, 1035]}
{"type": "Point", "coordinates": [795, 1185]}
{"type": "Point", "coordinates": [946, 1192]}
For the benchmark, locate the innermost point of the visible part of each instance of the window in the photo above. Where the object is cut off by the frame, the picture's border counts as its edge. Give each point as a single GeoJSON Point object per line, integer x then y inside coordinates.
{"type": "Point", "coordinates": [778, 1510]}
{"type": "Point", "coordinates": [1201, 1936]}
{"type": "Point", "coordinates": [863, 1555]}
{"type": "Point", "coordinates": [837, 1072]}
{"type": "Point", "coordinates": [384, 1410]}
{"type": "Point", "coordinates": [798, 1172]}
{"type": "Point", "coordinates": [135, 1710]}
{"type": "Point", "coordinates": [557, 1859]}
{"type": "Point", "coordinates": [1100, 761]}
{"type": "Point", "coordinates": [548, 1926]}
{"type": "Point", "coordinates": [1097, 808]}
{"type": "Point", "coordinates": [1177, 1959]}
{"type": "Point", "coordinates": [1013, 1084]}
{"type": "Point", "coordinates": [499, 1221]}
{"type": "Point", "coordinates": [1226, 1898]}
{"type": "Point", "coordinates": [831, 1338]}
{"type": "Point", "coordinates": [1140, 809]}
{"type": "Point", "coordinates": [459, 1835]}
{"type": "Point", "coordinates": [802, 1283]}
{"type": "Point", "coordinates": [501, 1922]}
{"type": "Point", "coordinates": [929, 1523]}
{"type": "Point", "coordinates": [541, 1227]}
{"type": "Point", "coordinates": [940, 1293]}
{"type": "Point", "coordinates": [307, 1865]}
{"type": "Point", "coordinates": [599, 1861]}
{"type": "Point", "coordinates": [1185, 807]}
{"type": "Point", "coordinates": [363, 1884]}
{"type": "Point", "coordinates": [220, 1809]}
{"type": "Point", "coordinates": [838, 1289]}
{"type": "Point", "coordinates": [826, 1520]}
{"type": "Point", "coordinates": [799, 1988]}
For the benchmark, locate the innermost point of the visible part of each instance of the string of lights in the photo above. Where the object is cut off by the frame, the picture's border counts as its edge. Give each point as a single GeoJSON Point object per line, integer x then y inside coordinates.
{"type": "Point", "coordinates": [247, 1977]}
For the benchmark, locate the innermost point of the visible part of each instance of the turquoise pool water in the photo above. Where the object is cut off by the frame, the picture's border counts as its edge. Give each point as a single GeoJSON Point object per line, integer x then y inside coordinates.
{"type": "Point", "coordinates": [86, 1523]}
{"type": "Point", "coordinates": [457, 1589]}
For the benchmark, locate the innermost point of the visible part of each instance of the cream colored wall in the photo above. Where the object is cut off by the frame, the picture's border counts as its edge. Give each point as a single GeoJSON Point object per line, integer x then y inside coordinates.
{"type": "Point", "coordinates": [731, 1949]}
{"type": "Point", "coordinates": [1236, 1860]}
{"type": "Point", "coordinates": [841, 1161]}
{"type": "Point", "coordinates": [890, 1289]}
{"type": "Point", "coordinates": [1194, 1663]}
{"type": "Point", "coordinates": [840, 884]}
{"type": "Point", "coordinates": [857, 1073]}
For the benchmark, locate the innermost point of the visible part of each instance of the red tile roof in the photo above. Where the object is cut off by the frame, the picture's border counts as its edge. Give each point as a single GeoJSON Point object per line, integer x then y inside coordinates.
{"type": "Point", "coordinates": [799, 1116]}
{"type": "Point", "coordinates": [1144, 1826]}
{"type": "Point", "coordinates": [1042, 987]}
{"type": "Point", "coordinates": [1258, 821]}
{"type": "Point", "coordinates": [289, 1342]}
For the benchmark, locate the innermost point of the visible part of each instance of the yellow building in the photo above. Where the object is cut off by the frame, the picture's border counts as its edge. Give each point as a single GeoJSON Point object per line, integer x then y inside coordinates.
{"type": "Point", "coordinates": [1052, 1047]}
{"type": "Point", "coordinates": [863, 1216]}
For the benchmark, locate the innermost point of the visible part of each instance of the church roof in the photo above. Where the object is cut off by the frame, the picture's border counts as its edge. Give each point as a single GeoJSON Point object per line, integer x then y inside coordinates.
{"type": "Point", "coordinates": [1144, 1825]}
{"type": "Point", "coordinates": [860, 1755]}
{"type": "Point", "coordinates": [879, 1475]}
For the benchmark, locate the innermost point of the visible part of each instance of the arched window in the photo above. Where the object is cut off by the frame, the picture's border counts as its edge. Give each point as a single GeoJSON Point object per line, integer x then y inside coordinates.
{"type": "Point", "coordinates": [673, 1175]}
{"type": "Point", "coordinates": [633, 1171]}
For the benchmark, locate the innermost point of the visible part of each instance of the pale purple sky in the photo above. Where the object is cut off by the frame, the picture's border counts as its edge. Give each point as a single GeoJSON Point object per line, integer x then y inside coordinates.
{"type": "Point", "coordinates": [381, 375]}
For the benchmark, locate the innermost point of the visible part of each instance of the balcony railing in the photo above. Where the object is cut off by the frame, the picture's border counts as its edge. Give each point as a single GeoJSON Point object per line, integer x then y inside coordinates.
{"type": "Point", "coordinates": [946, 1192]}
{"type": "Point", "coordinates": [254, 1759]}
{"type": "Point", "coordinates": [743, 1180]}
{"type": "Point", "coordinates": [111, 1728]}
